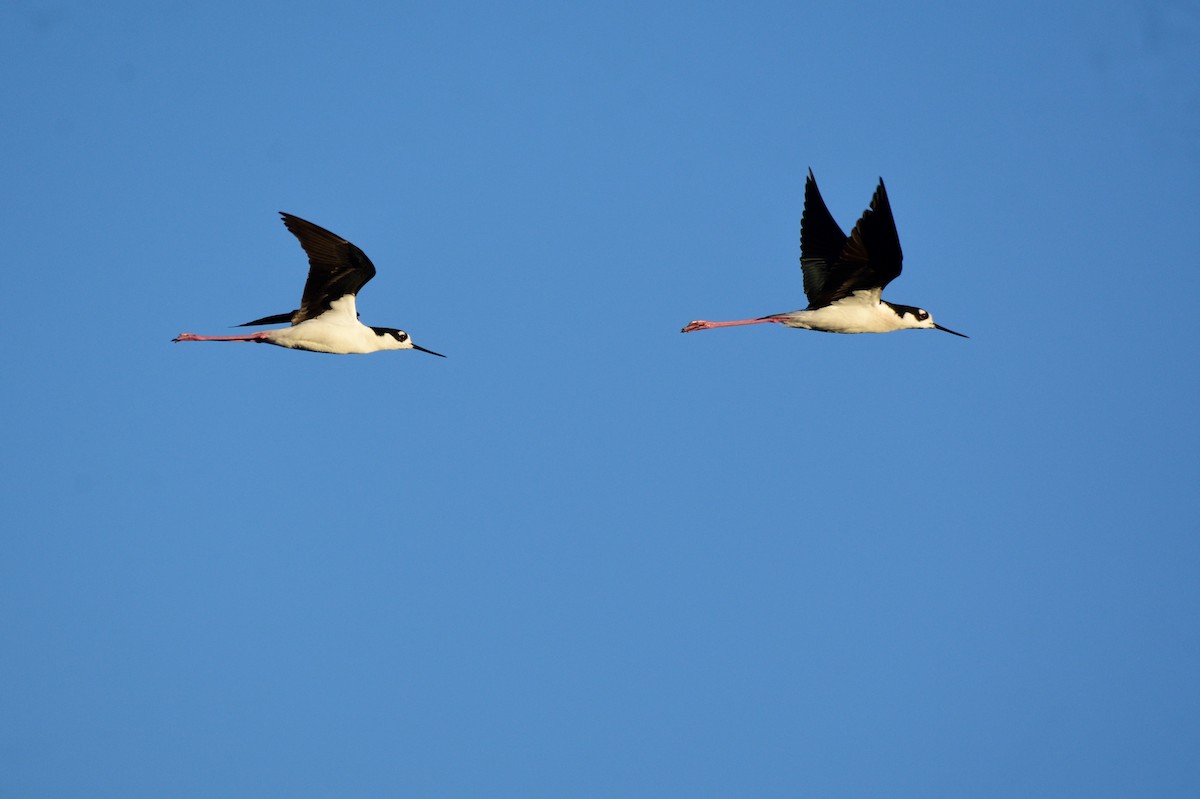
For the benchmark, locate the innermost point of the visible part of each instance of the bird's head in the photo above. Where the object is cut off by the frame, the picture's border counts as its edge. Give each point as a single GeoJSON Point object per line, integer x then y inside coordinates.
{"type": "Point", "coordinates": [919, 318]}
{"type": "Point", "coordinates": [393, 339]}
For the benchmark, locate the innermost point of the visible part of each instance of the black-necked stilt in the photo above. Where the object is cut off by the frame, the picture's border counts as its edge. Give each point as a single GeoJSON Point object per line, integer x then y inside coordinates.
{"type": "Point", "coordinates": [843, 277]}
{"type": "Point", "coordinates": [327, 320]}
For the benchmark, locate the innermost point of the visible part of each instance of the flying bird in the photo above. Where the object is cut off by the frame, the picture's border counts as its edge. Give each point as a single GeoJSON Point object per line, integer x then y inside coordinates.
{"type": "Point", "coordinates": [844, 277]}
{"type": "Point", "coordinates": [327, 319]}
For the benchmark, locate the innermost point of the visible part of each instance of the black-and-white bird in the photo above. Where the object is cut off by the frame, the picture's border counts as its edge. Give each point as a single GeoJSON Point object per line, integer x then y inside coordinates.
{"type": "Point", "coordinates": [844, 276]}
{"type": "Point", "coordinates": [327, 320]}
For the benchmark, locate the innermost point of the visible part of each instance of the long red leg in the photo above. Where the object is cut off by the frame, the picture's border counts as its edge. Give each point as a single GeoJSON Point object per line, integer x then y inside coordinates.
{"type": "Point", "coordinates": [701, 324]}
{"type": "Point", "coordinates": [262, 335]}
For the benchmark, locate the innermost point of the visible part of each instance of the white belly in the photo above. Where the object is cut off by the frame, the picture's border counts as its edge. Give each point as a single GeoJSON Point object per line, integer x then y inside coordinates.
{"type": "Point", "coordinates": [858, 313]}
{"type": "Point", "coordinates": [321, 335]}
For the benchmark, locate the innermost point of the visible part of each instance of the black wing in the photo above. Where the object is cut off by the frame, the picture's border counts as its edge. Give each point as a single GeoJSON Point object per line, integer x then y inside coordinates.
{"type": "Point", "coordinates": [277, 319]}
{"type": "Point", "coordinates": [336, 267]}
{"type": "Point", "coordinates": [870, 258]}
{"type": "Point", "coordinates": [821, 242]}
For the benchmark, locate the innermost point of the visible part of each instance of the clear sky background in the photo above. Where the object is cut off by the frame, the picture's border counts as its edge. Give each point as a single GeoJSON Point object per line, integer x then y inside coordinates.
{"type": "Point", "coordinates": [586, 555]}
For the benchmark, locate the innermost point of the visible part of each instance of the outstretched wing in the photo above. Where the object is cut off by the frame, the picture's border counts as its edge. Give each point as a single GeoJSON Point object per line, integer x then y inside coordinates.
{"type": "Point", "coordinates": [336, 269]}
{"type": "Point", "coordinates": [821, 242]}
{"type": "Point", "coordinates": [869, 259]}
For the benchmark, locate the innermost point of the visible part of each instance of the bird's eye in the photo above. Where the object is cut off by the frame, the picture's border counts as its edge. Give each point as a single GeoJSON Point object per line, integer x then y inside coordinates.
{"type": "Point", "coordinates": [401, 336]}
{"type": "Point", "coordinates": [922, 315]}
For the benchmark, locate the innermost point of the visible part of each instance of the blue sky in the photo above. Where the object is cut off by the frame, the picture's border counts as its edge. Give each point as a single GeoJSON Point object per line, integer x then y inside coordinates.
{"type": "Point", "coordinates": [586, 555]}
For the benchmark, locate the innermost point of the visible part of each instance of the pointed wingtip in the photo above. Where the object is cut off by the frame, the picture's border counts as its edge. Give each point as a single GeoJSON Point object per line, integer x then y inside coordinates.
{"type": "Point", "coordinates": [277, 319]}
{"type": "Point", "coordinates": [880, 197]}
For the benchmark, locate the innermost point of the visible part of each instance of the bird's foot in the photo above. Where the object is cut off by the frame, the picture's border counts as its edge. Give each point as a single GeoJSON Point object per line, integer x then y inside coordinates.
{"type": "Point", "coordinates": [699, 324]}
